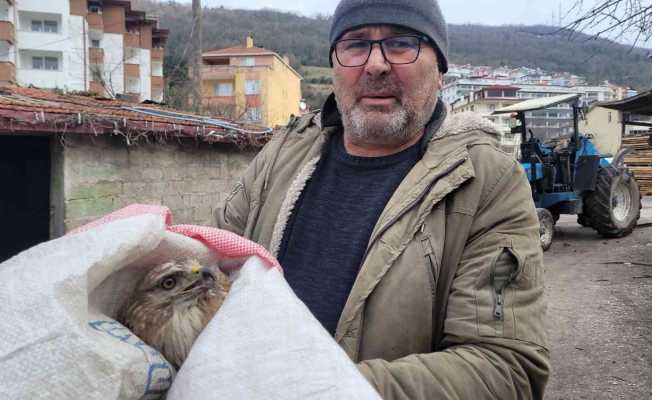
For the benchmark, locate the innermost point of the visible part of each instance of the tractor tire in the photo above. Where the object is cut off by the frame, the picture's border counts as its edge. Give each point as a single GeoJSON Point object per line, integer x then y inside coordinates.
{"type": "Point", "coordinates": [583, 220]}
{"type": "Point", "coordinates": [546, 228]}
{"type": "Point", "coordinates": [614, 208]}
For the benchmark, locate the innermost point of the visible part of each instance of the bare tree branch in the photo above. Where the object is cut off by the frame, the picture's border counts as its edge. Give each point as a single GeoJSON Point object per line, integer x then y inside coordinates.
{"type": "Point", "coordinates": [612, 19]}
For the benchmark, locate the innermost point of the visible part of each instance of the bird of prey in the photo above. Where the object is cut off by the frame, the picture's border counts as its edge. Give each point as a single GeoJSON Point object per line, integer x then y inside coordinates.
{"type": "Point", "coordinates": [172, 304]}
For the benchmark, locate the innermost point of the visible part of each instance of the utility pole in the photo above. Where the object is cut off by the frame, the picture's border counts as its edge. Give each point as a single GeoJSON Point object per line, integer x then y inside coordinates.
{"type": "Point", "coordinates": [196, 59]}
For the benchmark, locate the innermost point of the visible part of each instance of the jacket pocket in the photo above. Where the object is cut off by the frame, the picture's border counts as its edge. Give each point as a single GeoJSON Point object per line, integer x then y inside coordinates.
{"type": "Point", "coordinates": [494, 305]}
{"type": "Point", "coordinates": [430, 258]}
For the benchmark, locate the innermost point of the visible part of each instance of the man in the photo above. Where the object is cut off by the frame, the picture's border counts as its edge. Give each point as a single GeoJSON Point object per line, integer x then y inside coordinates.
{"type": "Point", "coordinates": [407, 233]}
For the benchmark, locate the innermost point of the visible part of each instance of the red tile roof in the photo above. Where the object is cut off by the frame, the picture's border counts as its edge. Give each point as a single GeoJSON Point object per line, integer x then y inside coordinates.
{"type": "Point", "coordinates": [43, 111]}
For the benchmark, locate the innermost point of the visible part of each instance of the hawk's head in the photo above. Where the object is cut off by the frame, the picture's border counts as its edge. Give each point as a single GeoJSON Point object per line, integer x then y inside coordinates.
{"type": "Point", "coordinates": [172, 304]}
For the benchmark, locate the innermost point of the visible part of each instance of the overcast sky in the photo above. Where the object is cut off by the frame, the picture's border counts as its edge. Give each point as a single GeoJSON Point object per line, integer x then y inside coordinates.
{"type": "Point", "coordinates": [489, 12]}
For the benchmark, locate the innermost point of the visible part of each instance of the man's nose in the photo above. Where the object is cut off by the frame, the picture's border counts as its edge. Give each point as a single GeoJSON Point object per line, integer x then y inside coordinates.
{"type": "Point", "coordinates": [377, 64]}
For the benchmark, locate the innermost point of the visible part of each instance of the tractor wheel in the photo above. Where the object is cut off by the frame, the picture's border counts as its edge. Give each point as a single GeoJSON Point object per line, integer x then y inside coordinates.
{"type": "Point", "coordinates": [583, 220]}
{"type": "Point", "coordinates": [615, 206]}
{"type": "Point", "coordinates": [546, 228]}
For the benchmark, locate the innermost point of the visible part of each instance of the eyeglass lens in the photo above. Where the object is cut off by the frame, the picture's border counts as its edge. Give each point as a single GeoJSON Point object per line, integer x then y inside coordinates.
{"type": "Point", "coordinates": [397, 50]}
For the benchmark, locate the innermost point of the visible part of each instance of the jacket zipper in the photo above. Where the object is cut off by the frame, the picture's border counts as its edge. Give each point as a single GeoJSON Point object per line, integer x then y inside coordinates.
{"type": "Point", "coordinates": [499, 292]}
{"type": "Point", "coordinates": [429, 254]}
{"type": "Point", "coordinates": [399, 215]}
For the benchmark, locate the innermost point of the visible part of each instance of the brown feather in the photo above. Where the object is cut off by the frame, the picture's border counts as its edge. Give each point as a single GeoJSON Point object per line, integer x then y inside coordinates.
{"type": "Point", "coordinates": [172, 304]}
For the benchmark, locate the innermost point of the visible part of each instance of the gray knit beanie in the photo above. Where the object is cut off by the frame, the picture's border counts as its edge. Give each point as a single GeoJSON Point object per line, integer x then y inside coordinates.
{"type": "Point", "coordinates": [420, 15]}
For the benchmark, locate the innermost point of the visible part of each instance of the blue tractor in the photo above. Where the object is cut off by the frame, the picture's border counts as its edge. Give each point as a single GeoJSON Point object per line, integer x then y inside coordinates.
{"type": "Point", "coordinates": [575, 178]}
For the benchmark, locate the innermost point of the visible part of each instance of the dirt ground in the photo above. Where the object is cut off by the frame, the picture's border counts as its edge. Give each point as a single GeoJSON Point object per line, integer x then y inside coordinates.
{"type": "Point", "coordinates": [600, 312]}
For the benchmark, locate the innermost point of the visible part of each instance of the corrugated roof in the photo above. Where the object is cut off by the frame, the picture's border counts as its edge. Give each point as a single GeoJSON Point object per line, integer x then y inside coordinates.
{"type": "Point", "coordinates": [639, 104]}
{"type": "Point", "coordinates": [43, 111]}
{"type": "Point", "coordinates": [537, 104]}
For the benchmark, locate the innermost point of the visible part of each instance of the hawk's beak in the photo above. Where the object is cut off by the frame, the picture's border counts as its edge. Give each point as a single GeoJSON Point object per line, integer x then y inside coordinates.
{"type": "Point", "coordinates": [207, 275]}
{"type": "Point", "coordinates": [205, 279]}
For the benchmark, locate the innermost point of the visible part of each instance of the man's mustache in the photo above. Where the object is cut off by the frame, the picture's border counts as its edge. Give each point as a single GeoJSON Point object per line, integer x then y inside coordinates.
{"type": "Point", "coordinates": [384, 86]}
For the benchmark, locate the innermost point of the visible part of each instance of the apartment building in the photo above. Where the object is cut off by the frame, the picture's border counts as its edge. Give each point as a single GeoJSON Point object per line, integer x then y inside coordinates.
{"type": "Point", "coordinates": [487, 100]}
{"type": "Point", "coordinates": [250, 83]}
{"type": "Point", "coordinates": [101, 46]}
{"type": "Point", "coordinates": [458, 89]}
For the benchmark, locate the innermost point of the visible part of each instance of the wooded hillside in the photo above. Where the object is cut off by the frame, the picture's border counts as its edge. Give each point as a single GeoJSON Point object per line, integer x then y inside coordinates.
{"type": "Point", "coordinates": [305, 41]}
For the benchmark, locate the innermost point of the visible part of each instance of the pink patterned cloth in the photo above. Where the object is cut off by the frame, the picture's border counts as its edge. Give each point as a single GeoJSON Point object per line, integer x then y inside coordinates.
{"type": "Point", "coordinates": [226, 244]}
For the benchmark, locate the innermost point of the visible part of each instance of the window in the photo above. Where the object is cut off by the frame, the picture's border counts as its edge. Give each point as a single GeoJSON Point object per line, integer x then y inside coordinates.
{"type": "Point", "coordinates": [45, 26]}
{"type": "Point", "coordinates": [224, 89]}
{"type": "Point", "coordinates": [50, 26]}
{"type": "Point", "coordinates": [131, 55]}
{"type": "Point", "coordinates": [95, 43]}
{"type": "Point", "coordinates": [95, 8]}
{"type": "Point", "coordinates": [254, 114]}
{"type": "Point", "coordinates": [133, 85]}
{"type": "Point", "coordinates": [248, 62]}
{"type": "Point", "coordinates": [45, 63]}
{"type": "Point", "coordinates": [252, 87]}
{"type": "Point", "coordinates": [51, 63]}
{"type": "Point", "coordinates": [97, 72]}
{"type": "Point", "coordinates": [157, 68]}
{"type": "Point", "coordinates": [37, 62]}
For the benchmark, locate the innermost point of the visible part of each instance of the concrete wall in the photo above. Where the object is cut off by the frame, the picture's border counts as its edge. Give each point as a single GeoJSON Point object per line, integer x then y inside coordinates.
{"type": "Point", "coordinates": [113, 62]}
{"type": "Point", "coordinates": [145, 74]}
{"type": "Point", "coordinates": [102, 174]}
{"type": "Point", "coordinates": [282, 94]}
{"type": "Point", "coordinates": [606, 128]}
{"type": "Point", "coordinates": [77, 57]}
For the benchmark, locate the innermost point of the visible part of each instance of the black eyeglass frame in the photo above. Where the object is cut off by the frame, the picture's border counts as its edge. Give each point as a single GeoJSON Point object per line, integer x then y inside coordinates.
{"type": "Point", "coordinates": [382, 50]}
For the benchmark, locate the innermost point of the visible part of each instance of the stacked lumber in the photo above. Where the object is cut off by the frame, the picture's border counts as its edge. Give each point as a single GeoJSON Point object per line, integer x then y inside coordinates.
{"type": "Point", "coordinates": [640, 162]}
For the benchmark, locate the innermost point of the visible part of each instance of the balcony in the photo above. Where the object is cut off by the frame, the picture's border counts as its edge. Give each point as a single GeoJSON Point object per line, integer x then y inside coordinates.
{"type": "Point", "coordinates": [132, 70]}
{"type": "Point", "coordinates": [7, 32]}
{"type": "Point", "coordinates": [95, 21]}
{"type": "Point", "coordinates": [96, 55]}
{"type": "Point", "coordinates": [157, 54]}
{"type": "Point", "coordinates": [157, 82]}
{"type": "Point", "coordinates": [132, 39]}
{"type": "Point", "coordinates": [218, 72]}
{"type": "Point", "coordinates": [7, 71]}
{"type": "Point", "coordinates": [216, 101]}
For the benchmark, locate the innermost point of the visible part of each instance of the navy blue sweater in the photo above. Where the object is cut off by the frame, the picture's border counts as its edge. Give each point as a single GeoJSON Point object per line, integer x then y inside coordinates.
{"type": "Point", "coordinates": [328, 232]}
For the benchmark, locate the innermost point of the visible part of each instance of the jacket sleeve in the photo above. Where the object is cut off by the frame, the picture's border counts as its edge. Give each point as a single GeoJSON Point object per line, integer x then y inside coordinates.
{"type": "Point", "coordinates": [494, 336]}
{"type": "Point", "coordinates": [234, 212]}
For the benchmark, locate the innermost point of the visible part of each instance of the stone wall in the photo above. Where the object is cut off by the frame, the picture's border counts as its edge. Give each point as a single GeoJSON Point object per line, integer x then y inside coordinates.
{"type": "Point", "coordinates": [102, 174]}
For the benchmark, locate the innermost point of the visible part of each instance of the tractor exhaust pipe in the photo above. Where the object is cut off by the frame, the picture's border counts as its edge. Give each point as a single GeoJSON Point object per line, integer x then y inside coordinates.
{"type": "Point", "coordinates": [619, 158]}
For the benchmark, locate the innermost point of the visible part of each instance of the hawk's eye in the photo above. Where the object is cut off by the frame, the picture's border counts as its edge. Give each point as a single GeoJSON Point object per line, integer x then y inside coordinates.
{"type": "Point", "coordinates": [169, 283]}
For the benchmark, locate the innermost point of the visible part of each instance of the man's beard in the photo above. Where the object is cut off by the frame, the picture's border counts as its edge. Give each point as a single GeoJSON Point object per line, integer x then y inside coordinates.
{"type": "Point", "coordinates": [365, 125]}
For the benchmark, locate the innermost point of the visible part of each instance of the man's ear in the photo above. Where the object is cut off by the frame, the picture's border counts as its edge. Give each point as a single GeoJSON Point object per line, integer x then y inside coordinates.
{"type": "Point", "coordinates": [440, 80]}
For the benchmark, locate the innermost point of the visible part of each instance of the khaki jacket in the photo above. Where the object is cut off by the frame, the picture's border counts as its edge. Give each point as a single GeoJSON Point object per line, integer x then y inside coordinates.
{"type": "Point", "coordinates": [464, 192]}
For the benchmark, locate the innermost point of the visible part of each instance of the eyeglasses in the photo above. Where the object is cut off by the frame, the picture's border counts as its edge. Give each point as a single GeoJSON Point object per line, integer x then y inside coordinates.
{"type": "Point", "coordinates": [396, 50]}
